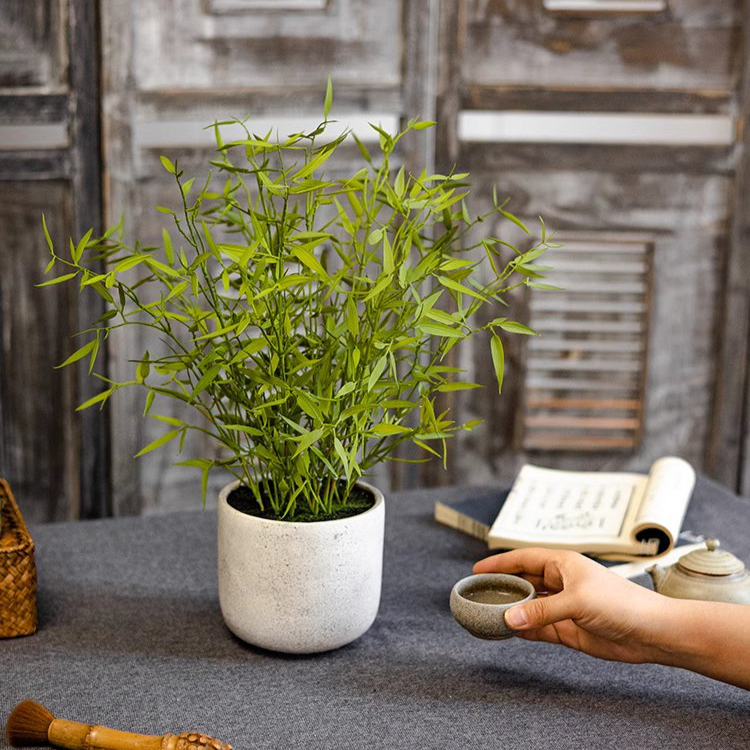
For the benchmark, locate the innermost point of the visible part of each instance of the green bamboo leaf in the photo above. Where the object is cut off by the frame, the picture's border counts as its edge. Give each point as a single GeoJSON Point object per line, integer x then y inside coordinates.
{"type": "Point", "coordinates": [548, 287]}
{"type": "Point", "coordinates": [205, 465]}
{"type": "Point", "coordinates": [167, 164]}
{"type": "Point", "coordinates": [84, 351]}
{"type": "Point", "coordinates": [168, 249]}
{"type": "Point", "coordinates": [456, 287]}
{"type": "Point", "coordinates": [384, 282]}
{"type": "Point", "coordinates": [398, 185]}
{"type": "Point", "coordinates": [515, 220]}
{"type": "Point", "coordinates": [343, 456]}
{"type": "Point", "coordinates": [350, 316]}
{"type": "Point", "coordinates": [149, 401]}
{"type": "Point", "coordinates": [177, 290]}
{"type": "Point", "coordinates": [533, 254]}
{"type": "Point", "coordinates": [425, 447]}
{"type": "Point", "coordinates": [498, 360]}
{"type": "Point", "coordinates": [318, 161]}
{"type": "Point", "coordinates": [471, 424]}
{"type": "Point", "coordinates": [46, 234]}
{"type": "Point", "coordinates": [309, 405]}
{"type": "Point", "coordinates": [377, 371]}
{"type": "Point", "coordinates": [454, 264]}
{"type": "Point", "coordinates": [127, 263]}
{"type": "Point", "coordinates": [449, 387]}
{"type": "Point", "coordinates": [438, 329]}
{"type": "Point", "coordinates": [100, 398]}
{"type": "Point", "coordinates": [144, 368]}
{"type": "Point", "coordinates": [387, 256]}
{"type": "Point", "coordinates": [385, 429]}
{"type": "Point", "coordinates": [244, 429]}
{"type": "Point", "coordinates": [328, 99]}
{"type": "Point", "coordinates": [308, 259]}
{"type": "Point", "coordinates": [163, 440]}
{"type": "Point", "coordinates": [81, 246]}
{"type": "Point", "coordinates": [362, 149]}
{"type": "Point", "coordinates": [514, 327]}
{"type": "Point", "coordinates": [398, 403]}
{"type": "Point", "coordinates": [527, 271]}
{"type": "Point", "coordinates": [344, 220]}
{"type": "Point", "coordinates": [157, 265]}
{"type": "Point", "coordinates": [345, 390]}
{"type": "Point", "coordinates": [308, 439]}
{"type": "Point", "coordinates": [218, 332]}
{"type": "Point", "coordinates": [197, 463]}
{"type": "Point", "coordinates": [208, 377]}
{"type": "Point", "coordinates": [449, 319]}
{"type": "Point", "coordinates": [59, 279]}
{"type": "Point", "coordinates": [174, 421]}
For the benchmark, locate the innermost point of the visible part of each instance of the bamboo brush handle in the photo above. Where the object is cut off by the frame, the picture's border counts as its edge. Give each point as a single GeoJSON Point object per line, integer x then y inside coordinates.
{"type": "Point", "coordinates": [76, 736]}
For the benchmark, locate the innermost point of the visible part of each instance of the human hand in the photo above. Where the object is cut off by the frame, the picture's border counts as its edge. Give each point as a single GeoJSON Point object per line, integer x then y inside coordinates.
{"type": "Point", "coordinates": [583, 605]}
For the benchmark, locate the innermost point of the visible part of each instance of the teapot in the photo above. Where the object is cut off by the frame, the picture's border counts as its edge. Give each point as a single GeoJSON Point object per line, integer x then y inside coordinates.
{"type": "Point", "coordinates": [712, 574]}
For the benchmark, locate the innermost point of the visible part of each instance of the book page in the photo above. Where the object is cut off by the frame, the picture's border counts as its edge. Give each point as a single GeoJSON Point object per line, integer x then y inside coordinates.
{"type": "Point", "coordinates": [665, 499]}
{"type": "Point", "coordinates": [548, 504]}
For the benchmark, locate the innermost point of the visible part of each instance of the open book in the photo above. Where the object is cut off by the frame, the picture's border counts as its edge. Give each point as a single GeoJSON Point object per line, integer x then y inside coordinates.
{"type": "Point", "coordinates": [609, 514]}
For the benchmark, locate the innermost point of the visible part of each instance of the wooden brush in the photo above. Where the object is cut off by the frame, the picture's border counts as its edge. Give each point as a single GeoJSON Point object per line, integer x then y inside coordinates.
{"type": "Point", "coordinates": [30, 724]}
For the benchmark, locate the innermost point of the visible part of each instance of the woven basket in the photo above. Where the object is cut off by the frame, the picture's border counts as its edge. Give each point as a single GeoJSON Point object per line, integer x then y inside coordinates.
{"type": "Point", "coordinates": [17, 570]}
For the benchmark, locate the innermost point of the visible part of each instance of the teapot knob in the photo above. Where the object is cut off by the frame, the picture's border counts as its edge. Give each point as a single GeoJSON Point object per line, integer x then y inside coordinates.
{"type": "Point", "coordinates": [712, 544]}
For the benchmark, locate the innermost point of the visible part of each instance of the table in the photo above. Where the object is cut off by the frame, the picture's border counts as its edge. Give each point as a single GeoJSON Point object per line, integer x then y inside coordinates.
{"type": "Point", "coordinates": [131, 636]}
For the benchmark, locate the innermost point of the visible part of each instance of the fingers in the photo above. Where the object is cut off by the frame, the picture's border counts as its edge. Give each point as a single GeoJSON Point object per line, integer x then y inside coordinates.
{"type": "Point", "coordinates": [530, 561]}
{"type": "Point", "coordinates": [543, 611]}
{"type": "Point", "coordinates": [541, 567]}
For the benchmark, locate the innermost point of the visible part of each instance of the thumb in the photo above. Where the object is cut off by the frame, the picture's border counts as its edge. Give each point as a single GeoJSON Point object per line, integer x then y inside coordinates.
{"type": "Point", "coordinates": [541, 611]}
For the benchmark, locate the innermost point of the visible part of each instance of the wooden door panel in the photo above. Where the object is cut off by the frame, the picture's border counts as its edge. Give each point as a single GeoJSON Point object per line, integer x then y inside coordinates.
{"type": "Point", "coordinates": [683, 308]}
{"type": "Point", "coordinates": [32, 40]}
{"type": "Point", "coordinates": [40, 441]}
{"type": "Point", "coordinates": [48, 163]}
{"type": "Point", "coordinates": [183, 44]}
{"type": "Point", "coordinates": [517, 42]}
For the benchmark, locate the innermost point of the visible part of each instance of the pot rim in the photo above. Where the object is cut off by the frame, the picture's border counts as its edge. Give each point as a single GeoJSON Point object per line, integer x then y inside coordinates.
{"type": "Point", "coordinates": [226, 490]}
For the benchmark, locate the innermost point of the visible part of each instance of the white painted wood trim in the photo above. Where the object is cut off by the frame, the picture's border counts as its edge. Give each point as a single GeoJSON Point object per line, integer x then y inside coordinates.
{"type": "Point", "coordinates": [603, 7]}
{"type": "Point", "coordinates": [613, 128]}
{"type": "Point", "coordinates": [195, 134]}
{"type": "Point", "coordinates": [32, 137]}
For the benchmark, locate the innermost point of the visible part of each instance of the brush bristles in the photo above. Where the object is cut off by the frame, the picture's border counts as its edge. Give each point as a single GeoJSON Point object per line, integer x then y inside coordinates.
{"type": "Point", "coordinates": [28, 724]}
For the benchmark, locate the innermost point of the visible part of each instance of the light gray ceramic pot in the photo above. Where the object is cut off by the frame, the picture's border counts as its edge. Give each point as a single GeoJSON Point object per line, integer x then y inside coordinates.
{"type": "Point", "coordinates": [470, 605]}
{"type": "Point", "coordinates": [300, 587]}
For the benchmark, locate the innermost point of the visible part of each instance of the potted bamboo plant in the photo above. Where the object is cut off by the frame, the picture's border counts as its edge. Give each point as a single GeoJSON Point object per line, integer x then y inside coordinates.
{"type": "Point", "coordinates": [306, 319]}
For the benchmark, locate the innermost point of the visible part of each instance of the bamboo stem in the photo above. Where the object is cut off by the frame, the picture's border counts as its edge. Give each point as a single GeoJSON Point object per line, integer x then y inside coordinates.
{"type": "Point", "coordinates": [76, 736]}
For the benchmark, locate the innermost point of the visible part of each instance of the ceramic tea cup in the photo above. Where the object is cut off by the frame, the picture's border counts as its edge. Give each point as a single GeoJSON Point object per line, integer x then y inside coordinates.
{"type": "Point", "coordinates": [479, 603]}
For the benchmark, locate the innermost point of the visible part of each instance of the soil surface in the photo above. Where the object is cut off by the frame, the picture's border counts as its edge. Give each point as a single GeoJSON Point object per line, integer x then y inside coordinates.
{"type": "Point", "coordinates": [243, 500]}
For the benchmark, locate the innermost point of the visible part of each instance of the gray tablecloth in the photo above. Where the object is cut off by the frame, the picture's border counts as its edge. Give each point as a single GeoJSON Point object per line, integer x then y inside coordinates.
{"type": "Point", "coordinates": [131, 636]}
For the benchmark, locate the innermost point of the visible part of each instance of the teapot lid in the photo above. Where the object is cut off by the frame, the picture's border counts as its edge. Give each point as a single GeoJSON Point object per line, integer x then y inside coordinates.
{"type": "Point", "coordinates": [711, 561]}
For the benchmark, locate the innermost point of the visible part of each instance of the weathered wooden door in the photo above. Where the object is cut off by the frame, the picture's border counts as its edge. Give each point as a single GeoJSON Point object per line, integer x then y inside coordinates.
{"type": "Point", "coordinates": [619, 122]}
{"type": "Point", "coordinates": [49, 164]}
{"type": "Point", "coordinates": [622, 124]}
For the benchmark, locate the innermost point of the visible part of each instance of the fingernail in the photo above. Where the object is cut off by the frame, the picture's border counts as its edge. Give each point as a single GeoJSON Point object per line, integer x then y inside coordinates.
{"type": "Point", "coordinates": [515, 617]}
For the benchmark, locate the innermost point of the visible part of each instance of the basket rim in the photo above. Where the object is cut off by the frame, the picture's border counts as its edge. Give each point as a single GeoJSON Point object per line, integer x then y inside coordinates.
{"type": "Point", "coordinates": [11, 512]}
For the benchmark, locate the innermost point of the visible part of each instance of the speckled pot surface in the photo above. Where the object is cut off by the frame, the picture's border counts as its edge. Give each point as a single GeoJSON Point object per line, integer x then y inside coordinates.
{"type": "Point", "coordinates": [300, 587]}
{"type": "Point", "coordinates": [488, 620]}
